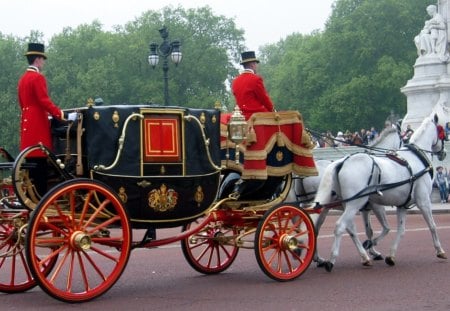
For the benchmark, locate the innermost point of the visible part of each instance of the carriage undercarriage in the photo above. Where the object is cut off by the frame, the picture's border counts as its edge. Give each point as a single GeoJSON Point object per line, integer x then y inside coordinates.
{"type": "Point", "coordinates": [74, 240]}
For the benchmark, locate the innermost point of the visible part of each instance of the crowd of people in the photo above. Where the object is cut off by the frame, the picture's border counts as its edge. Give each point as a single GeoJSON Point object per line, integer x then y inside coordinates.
{"type": "Point", "coordinates": [362, 137]}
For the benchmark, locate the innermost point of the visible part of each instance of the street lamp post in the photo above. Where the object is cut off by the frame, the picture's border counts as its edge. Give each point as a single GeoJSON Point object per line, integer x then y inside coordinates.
{"type": "Point", "coordinates": [165, 49]}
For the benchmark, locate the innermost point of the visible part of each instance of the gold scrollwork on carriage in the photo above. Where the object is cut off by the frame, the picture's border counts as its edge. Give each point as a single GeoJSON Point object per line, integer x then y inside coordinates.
{"type": "Point", "coordinates": [199, 196]}
{"type": "Point", "coordinates": [162, 199]}
{"type": "Point", "coordinates": [123, 195]}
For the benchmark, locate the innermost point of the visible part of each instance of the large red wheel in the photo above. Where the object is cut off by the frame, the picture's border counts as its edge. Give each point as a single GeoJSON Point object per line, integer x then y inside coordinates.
{"type": "Point", "coordinates": [285, 242]}
{"type": "Point", "coordinates": [85, 225]}
{"type": "Point", "coordinates": [212, 249]}
{"type": "Point", "coordinates": [15, 276]}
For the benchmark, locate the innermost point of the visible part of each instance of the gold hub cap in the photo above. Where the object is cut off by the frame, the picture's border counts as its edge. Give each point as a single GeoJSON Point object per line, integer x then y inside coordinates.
{"type": "Point", "coordinates": [81, 240]}
{"type": "Point", "coordinates": [289, 242]}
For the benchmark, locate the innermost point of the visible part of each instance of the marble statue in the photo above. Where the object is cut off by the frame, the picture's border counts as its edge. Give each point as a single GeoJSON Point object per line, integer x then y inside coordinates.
{"type": "Point", "coordinates": [432, 40]}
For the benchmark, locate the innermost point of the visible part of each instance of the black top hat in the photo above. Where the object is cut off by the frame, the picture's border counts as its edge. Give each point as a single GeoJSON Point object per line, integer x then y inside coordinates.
{"type": "Point", "coordinates": [36, 49]}
{"type": "Point", "coordinates": [248, 57]}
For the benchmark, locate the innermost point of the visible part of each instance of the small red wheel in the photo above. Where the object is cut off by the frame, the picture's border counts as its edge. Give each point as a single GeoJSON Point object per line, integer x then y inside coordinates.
{"type": "Point", "coordinates": [212, 249]}
{"type": "Point", "coordinates": [85, 226]}
{"type": "Point", "coordinates": [15, 276]}
{"type": "Point", "coordinates": [285, 242]}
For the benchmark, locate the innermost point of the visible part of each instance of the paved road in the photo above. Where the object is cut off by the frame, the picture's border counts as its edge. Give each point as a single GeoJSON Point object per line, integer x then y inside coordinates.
{"type": "Point", "coordinates": [160, 279]}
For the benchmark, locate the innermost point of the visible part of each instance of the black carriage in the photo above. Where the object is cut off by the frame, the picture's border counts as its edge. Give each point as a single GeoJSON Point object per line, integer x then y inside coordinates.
{"type": "Point", "coordinates": [117, 171]}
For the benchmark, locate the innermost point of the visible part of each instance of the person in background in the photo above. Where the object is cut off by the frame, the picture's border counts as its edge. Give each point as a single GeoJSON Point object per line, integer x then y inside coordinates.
{"type": "Point", "coordinates": [447, 130]}
{"type": "Point", "coordinates": [248, 88]}
{"type": "Point", "coordinates": [441, 183]}
{"type": "Point", "coordinates": [36, 108]}
{"type": "Point", "coordinates": [340, 140]}
{"type": "Point", "coordinates": [407, 134]}
{"type": "Point", "coordinates": [373, 134]}
{"type": "Point", "coordinates": [356, 139]}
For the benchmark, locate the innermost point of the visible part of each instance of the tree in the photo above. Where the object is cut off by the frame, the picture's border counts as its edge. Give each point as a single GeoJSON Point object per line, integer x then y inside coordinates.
{"type": "Point", "coordinates": [86, 62]}
{"type": "Point", "coordinates": [349, 75]}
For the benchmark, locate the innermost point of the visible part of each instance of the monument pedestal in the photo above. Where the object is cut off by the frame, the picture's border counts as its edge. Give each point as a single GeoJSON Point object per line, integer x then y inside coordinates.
{"type": "Point", "coordinates": [429, 86]}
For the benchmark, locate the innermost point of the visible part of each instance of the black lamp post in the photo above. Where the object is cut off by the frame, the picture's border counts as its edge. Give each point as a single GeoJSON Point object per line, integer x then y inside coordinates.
{"type": "Point", "coordinates": [165, 49]}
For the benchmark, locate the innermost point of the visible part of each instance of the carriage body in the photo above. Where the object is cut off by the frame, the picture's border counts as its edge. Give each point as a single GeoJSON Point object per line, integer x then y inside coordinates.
{"type": "Point", "coordinates": [154, 158]}
{"type": "Point", "coordinates": [126, 167]}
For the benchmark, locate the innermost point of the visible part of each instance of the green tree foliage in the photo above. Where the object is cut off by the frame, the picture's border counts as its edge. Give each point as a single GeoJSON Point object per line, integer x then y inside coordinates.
{"type": "Point", "coordinates": [86, 62]}
{"type": "Point", "coordinates": [348, 76]}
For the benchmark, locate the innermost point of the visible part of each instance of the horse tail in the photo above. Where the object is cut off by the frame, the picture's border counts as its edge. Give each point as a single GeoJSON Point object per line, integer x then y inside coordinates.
{"type": "Point", "coordinates": [328, 184]}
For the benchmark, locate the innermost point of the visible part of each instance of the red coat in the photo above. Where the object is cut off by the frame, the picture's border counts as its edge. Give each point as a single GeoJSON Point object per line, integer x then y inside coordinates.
{"type": "Point", "coordinates": [251, 95]}
{"type": "Point", "coordinates": [36, 107]}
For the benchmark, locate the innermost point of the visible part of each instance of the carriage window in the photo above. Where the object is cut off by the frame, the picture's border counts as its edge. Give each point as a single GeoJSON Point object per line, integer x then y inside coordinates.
{"type": "Point", "coordinates": [162, 138]}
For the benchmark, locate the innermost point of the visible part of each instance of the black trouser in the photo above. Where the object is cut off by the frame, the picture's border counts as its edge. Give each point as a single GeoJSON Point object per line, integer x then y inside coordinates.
{"type": "Point", "coordinates": [38, 174]}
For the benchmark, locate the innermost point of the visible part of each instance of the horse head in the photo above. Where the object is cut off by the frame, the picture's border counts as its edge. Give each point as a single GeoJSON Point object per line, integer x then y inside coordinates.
{"type": "Point", "coordinates": [430, 137]}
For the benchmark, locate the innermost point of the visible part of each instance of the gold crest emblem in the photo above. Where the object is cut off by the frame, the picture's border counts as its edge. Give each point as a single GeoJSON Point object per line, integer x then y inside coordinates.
{"type": "Point", "coordinates": [199, 196]}
{"type": "Point", "coordinates": [123, 195]}
{"type": "Point", "coordinates": [162, 199]}
{"type": "Point", "coordinates": [279, 156]}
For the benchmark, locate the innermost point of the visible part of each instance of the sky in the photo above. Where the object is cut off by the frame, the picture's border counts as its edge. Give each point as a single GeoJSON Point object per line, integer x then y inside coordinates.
{"type": "Point", "coordinates": [263, 21]}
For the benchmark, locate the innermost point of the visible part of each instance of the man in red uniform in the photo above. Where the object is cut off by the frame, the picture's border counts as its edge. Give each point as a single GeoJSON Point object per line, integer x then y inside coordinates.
{"type": "Point", "coordinates": [36, 107]}
{"type": "Point", "coordinates": [251, 96]}
{"type": "Point", "coordinates": [248, 88]}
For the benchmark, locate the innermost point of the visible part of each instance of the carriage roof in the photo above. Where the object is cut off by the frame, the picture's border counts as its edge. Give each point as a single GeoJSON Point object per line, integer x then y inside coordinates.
{"type": "Point", "coordinates": [152, 140]}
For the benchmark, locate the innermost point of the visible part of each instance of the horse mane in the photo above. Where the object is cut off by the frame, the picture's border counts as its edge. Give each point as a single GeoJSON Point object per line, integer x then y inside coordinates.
{"type": "Point", "coordinates": [421, 129]}
{"type": "Point", "coordinates": [386, 132]}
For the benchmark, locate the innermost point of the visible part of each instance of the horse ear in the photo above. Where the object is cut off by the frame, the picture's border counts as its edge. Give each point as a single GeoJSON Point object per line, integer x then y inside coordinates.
{"type": "Point", "coordinates": [436, 119]}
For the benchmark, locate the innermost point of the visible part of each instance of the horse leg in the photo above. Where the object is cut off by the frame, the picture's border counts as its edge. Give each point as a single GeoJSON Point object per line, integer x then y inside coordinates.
{"type": "Point", "coordinates": [351, 229]}
{"type": "Point", "coordinates": [379, 212]}
{"type": "Point", "coordinates": [401, 223]}
{"type": "Point", "coordinates": [427, 215]}
{"type": "Point", "coordinates": [344, 222]}
{"type": "Point", "coordinates": [318, 224]}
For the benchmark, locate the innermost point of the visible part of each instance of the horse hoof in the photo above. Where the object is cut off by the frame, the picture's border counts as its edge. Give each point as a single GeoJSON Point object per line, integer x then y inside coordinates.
{"type": "Point", "coordinates": [320, 264]}
{"type": "Point", "coordinates": [378, 257]}
{"type": "Point", "coordinates": [367, 244]}
{"type": "Point", "coordinates": [328, 266]}
{"type": "Point", "coordinates": [390, 261]}
{"type": "Point", "coordinates": [442, 255]}
{"type": "Point", "coordinates": [367, 263]}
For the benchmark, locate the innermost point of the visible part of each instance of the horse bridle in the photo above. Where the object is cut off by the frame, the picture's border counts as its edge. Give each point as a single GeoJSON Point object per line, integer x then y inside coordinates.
{"type": "Point", "coordinates": [440, 133]}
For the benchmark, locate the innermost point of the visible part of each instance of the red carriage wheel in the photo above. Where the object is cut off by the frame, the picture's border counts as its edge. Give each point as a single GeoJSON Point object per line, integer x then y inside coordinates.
{"type": "Point", "coordinates": [211, 250]}
{"type": "Point", "coordinates": [85, 226]}
{"type": "Point", "coordinates": [15, 276]}
{"type": "Point", "coordinates": [285, 242]}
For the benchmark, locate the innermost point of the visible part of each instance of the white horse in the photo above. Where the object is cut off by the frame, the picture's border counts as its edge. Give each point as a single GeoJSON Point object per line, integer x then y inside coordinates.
{"type": "Point", "coordinates": [400, 180]}
{"type": "Point", "coordinates": [305, 189]}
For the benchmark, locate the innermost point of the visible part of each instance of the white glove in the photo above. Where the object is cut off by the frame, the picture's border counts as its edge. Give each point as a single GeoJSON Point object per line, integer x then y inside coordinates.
{"type": "Point", "coordinates": [72, 116]}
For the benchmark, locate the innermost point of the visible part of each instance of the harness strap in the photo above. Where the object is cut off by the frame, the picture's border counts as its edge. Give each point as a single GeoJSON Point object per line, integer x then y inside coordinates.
{"type": "Point", "coordinates": [304, 194]}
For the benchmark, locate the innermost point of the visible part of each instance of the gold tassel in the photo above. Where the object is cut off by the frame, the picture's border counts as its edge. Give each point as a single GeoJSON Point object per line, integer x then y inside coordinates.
{"type": "Point", "coordinates": [280, 140]}
{"type": "Point", "coordinates": [251, 136]}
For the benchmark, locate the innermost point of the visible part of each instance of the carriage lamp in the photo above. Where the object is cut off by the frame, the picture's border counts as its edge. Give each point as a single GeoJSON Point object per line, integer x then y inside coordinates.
{"type": "Point", "coordinates": [166, 49]}
{"type": "Point", "coordinates": [237, 127]}
{"type": "Point", "coordinates": [237, 130]}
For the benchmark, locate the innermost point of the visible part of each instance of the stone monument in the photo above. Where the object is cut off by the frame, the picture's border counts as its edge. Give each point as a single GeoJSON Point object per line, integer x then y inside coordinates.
{"type": "Point", "coordinates": [430, 84]}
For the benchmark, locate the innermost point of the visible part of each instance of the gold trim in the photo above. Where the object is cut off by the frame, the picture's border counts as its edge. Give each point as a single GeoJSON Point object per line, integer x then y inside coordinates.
{"type": "Point", "coordinates": [115, 118]}
{"type": "Point", "coordinates": [199, 196]}
{"type": "Point", "coordinates": [122, 194]}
